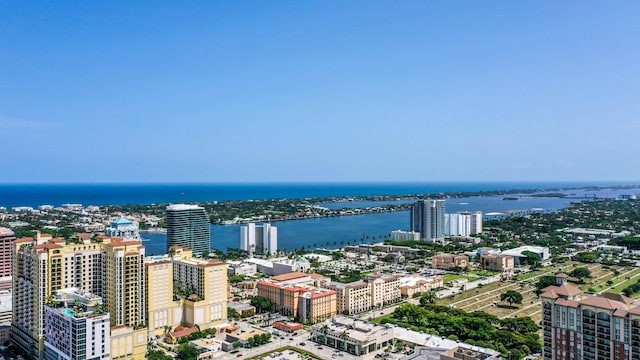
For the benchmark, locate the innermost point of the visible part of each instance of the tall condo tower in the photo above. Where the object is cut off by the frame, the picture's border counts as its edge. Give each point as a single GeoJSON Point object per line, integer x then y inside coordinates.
{"type": "Point", "coordinates": [260, 239]}
{"type": "Point", "coordinates": [427, 218]}
{"type": "Point", "coordinates": [7, 237]}
{"type": "Point", "coordinates": [188, 226]}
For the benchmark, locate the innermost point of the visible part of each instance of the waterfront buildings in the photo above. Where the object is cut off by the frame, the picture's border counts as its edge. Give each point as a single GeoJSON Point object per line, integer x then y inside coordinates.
{"type": "Point", "coordinates": [444, 261]}
{"type": "Point", "coordinates": [188, 226]}
{"type": "Point", "coordinates": [260, 239]}
{"type": "Point", "coordinates": [187, 291]}
{"type": "Point", "coordinates": [76, 327]}
{"type": "Point", "coordinates": [502, 263]}
{"type": "Point", "coordinates": [575, 326]}
{"type": "Point", "coordinates": [107, 267]}
{"type": "Point", "coordinates": [463, 223]}
{"type": "Point", "coordinates": [399, 235]}
{"type": "Point", "coordinates": [7, 237]}
{"type": "Point", "coordinates": [373, 291]}
{"type": "Point", "coordinates": [427, 218]}
{"type": "Point", "coordinates": [123, 228]}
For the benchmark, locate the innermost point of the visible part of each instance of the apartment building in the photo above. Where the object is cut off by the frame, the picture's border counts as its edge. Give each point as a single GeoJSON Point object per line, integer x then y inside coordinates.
{"type": "Point", "coordinates": [292, 295]}
{"type": "Point", "coordinates": [577, 326]}
{"type": "Point", "coordinates": [443, 261]}
{"type": "Point", "coordinates": [76, 327]}
{"type": "Point", "coordinates": [183, 290]}
{"type": "Point", "coordinates": [373, 291]}
{"type": "Point", "coordinates": [7, 237]}
{"type": "Point", "coordinates": [107, 267]}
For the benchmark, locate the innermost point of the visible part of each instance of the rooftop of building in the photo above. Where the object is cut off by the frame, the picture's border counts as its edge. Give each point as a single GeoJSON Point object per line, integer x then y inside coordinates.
{"type": "Point", "coordinates": [359, 330]}
{"type": "Point", "coordinates": [289, 276]}
{"type": "Point", "coordinates": [178, 207]}
{"type": "Point", "coordinates": [519, 250]}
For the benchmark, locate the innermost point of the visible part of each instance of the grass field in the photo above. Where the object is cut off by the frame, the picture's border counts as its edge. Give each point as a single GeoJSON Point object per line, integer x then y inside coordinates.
{"type": "Point", "coordinates": [487, 298]}
{"type": "Point", "coordinates": [451, 277]}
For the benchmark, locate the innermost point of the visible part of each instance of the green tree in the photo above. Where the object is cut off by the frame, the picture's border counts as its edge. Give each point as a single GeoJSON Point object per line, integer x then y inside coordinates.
{"type": "Point", "coordinates": [187, 352]}
{"type": "Point", "coordinates": [427, 298]}
{"type": "Point", "coordinates": [157, 355]}
{"type": "Point", "coordinates": [261, 303]}
{"type": "Point", "coordinates": [512, 297]}
{"type": "Point", "coordinates": [581, 273]}
{"type": "Point", "coordinates": [545, 281]}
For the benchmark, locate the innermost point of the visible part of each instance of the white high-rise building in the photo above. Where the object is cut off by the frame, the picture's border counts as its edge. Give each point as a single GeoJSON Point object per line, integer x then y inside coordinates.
{"type": "Point", "coordinates": [76, 327]}
{"type": "Point", "coordinates": [427, 218]}
{"type": "Point", "coordinates": [259, 239]}
{"type": "Point", "coordinates": [463, 223]}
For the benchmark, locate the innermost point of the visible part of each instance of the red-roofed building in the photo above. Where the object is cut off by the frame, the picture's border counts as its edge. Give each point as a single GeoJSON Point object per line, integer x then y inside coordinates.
{"type": "Point", "coordinates": [577, 326]}
{"type": "Point", "coordinates": [308, 304]}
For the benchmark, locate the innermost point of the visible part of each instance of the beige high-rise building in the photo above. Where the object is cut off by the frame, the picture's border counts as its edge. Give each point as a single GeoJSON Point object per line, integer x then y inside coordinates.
{"type": "Point", "coordinates": [106, 267]}
{"type": "Point", "coordinates": [183, 290]}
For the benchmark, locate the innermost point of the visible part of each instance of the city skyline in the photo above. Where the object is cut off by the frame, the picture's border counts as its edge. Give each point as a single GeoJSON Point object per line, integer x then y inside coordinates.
{"type": "Point", "coordinates": [317, 91]}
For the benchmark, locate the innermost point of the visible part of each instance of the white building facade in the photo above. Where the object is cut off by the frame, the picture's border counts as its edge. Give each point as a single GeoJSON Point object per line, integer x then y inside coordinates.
{"type": "Point", "coordinates": [261, 239]}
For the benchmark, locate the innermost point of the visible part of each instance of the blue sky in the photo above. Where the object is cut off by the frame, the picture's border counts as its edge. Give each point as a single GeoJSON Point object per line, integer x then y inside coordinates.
{"type": "Point", "coordinates": [252, 91]}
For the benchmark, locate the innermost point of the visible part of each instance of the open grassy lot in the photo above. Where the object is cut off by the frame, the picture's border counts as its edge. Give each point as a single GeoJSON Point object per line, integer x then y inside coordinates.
{"type": "Point", "coordinates": [487, 298]}
{"type": "Point", "coordinates": [450, 277]}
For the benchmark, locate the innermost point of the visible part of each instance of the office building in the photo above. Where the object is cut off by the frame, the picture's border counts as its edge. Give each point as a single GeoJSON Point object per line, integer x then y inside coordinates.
{"type": "Point", "coordinates": [112, 269]}
{"type": "Point", "coordinates": [123, 228]}
{"type": "Point", "coordinates": [188, 226]}
{"type": "Point", "coordinates": [355, 336]}
{"type": "Point", "coordinates": [502, 263]}
{"type": "Point", "coordinates": [427, 218]}
{"type": "Point", "coordinates": [76, 327]}
{"type": "Point", "coordinates": [7, 237]}
{"type": "Point", "coordinates": [259, 239]}
{"type": "Point", "coordinates": [442, 261]}
{"type": "Point", "coordinates": [576, 326]}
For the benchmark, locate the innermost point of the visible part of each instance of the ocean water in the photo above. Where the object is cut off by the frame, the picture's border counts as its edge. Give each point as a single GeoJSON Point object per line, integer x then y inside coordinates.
{"type": "Point", "coordinates": [335, 232]}
{"type": "Point", "coordinates": [120, 194]}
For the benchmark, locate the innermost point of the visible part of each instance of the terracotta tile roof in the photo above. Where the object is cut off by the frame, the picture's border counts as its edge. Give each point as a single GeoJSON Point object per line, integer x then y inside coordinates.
{"type": "Point", "coordinates": [618, 297]}
{"type": "Point", "coordinates": [563, 290]}
{"type": "Point", "coordinates": [57, 240]}
{"type": "Point", "coordinates": [604, 303]}
{"type": "Point", "coordinates": [289, 276]}
{"type": "Point", "coordinates": [316, 276]}
{"type": "Point", "coordinates": [183, 332]}
{"type": "Point", "coordinates": [562, 276]}
{"type": "Point", "coordinates": [620, 313]}
{"type": "Point", "coordinates": [48, 246]}
{"type": "Point", "coordinates": [24, 240]}
{"type": "Point", "coordinates": [570, 303]}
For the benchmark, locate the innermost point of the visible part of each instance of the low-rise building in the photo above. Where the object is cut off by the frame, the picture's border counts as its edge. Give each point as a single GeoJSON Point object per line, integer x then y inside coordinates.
{"type": "Point", "coordinates": [443, 261]}
{"type": "Point", "coordinates": [373, 291]}
{"type": "Point", "coordinates": [355, 336]}
{"type": "Point", "coordinates": [243, 336]}
{"type": "Point", "coordinates": [307, 303]}
{"type": "Point", "coordinates": [414, 284]}
{"type": "Point", "coordinates": [502, 263]}
{"type": "Point", "coordinates": [207, 348]}
{"type": "Point", "coordinates": [519, 256]}
{"type": "Point", "coordinates": [241, 268]}
{"type": "Point", "coordinates": [399, 235]}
